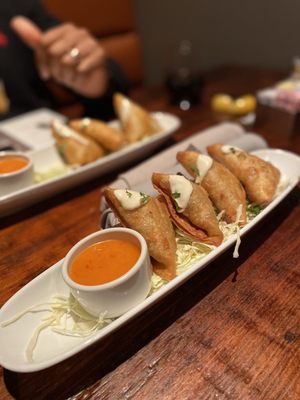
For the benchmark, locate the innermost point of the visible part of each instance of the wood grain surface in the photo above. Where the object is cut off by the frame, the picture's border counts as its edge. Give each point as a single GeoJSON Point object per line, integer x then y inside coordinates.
{"type": "Point", "coordinates": [230, 332]}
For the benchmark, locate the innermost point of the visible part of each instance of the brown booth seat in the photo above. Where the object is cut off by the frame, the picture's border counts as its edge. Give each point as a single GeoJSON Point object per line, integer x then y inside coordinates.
{"type": "Point", "coordinates": [113, 23]}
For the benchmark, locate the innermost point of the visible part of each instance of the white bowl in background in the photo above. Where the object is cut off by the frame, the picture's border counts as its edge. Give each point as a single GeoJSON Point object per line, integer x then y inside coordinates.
{"type": "Point", "coordinates": [14, 181]}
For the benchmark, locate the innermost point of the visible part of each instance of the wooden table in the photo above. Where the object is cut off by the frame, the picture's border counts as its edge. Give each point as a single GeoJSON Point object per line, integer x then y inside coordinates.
{"type": "Point", "coordinates": [230, 332]}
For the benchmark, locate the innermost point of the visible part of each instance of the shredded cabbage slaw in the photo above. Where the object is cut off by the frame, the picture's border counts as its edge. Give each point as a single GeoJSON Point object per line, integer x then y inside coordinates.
{"type": "Point", "coordinates": [56, 170]}
{"type": "Point", "coordinates": [67, 317]}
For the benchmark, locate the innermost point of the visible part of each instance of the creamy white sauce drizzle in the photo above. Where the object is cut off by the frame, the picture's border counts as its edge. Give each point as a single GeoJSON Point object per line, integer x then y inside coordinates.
{"type": "Point", "coordinates": [204, 163]}
{"type": "Point", "coordinates": [130, 199]}
{"type": "Point", "coordinates": [181, 189]}
{"type": "Point", "coordinates": [227, 149]}
{"type": "Point", "coordinates": [66, 132]}
{"type": "Point", "coordinates": [125, 110]}
{"type": "Point", "coordinates": [84, 123]}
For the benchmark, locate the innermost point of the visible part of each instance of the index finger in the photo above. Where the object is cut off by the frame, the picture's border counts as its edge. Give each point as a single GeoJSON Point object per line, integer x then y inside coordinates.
{"type": "Point", "coordinates": [27, 30]}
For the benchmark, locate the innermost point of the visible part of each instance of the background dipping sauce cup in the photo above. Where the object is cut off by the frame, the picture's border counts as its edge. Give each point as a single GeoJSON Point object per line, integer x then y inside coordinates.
{"type": "Point", "coordinates": [16, 171]}
{"type": "Point", "coordinates": [116, 297]}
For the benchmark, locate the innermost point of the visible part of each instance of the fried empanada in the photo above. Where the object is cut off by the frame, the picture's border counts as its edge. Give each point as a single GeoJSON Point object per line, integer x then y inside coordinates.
{"type": "Point", "coordinates": [259, 177]}
{"type": "Point", "coordinates": [136, 122]}
{"type": "Point", "coordinates": [75, 148]}
{"type": "Point", "coordinates": [189, 207]}
{"type": "Point", "coordinates": [223, 188]}
{"type": "Point", "coordinates": [110, 138]}
{"type": "Point", "coordinates": [150, 218]}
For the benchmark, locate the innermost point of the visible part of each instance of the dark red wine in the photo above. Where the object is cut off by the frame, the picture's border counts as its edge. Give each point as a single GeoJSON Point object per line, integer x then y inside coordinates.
{"type": "Point", "coordinates": [184, 89]}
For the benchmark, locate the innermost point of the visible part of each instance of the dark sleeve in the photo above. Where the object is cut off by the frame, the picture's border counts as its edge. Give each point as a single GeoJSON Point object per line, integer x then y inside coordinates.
{"type": "Point", "coordinates": [102, 107]}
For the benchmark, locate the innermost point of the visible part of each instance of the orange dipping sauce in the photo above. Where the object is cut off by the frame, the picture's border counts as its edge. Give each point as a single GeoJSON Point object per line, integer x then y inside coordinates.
{"type": "Point", "coordinates": [12, 164]}
{"type": "Point", "coordinates": [104, 262]}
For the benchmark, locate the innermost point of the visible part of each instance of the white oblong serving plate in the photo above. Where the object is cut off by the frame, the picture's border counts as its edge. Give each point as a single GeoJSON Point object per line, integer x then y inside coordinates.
{"type": "Point", "coordinates": [52, 347]}
{"type": "Point", "coordinates": [34, 193]}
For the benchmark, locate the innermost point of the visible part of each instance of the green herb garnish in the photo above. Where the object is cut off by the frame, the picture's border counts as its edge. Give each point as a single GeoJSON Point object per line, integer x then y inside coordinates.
{"type": "Point", "coordinates": [176, 195]}
{"type": "Point", "coordinates": [253, 210]}
{"type": "Point", "coordinates": [61, 148]}
{"type": "Point", "coordinates": [177, 208]}
{"type": "Point", "coordinates": [144, 198]}
{"type": "Point", "coordinates": [195, 170]}
{"type": "Point", "coordinates": [128, 193]}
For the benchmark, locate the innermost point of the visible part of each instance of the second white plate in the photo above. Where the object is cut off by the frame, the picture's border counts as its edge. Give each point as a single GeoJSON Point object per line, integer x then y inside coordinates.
{"type": "Point", "coordinates": [46, 156]}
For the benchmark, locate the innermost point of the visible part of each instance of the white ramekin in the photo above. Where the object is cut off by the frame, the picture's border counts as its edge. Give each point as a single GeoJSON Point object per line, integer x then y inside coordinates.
{"type": "Point", "coordinates": [13, 181]}
{"type": "Point", "coordinates": [116, 297]}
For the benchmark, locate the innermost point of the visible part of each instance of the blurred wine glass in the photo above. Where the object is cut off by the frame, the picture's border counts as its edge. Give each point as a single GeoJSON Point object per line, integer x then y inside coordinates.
{"type": "Point", "coordinates": [181, 81]}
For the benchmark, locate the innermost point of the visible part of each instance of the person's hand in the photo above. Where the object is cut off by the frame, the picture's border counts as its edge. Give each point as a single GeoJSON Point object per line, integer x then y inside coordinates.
{"type": "Point", "coordinates": [66, 53]}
